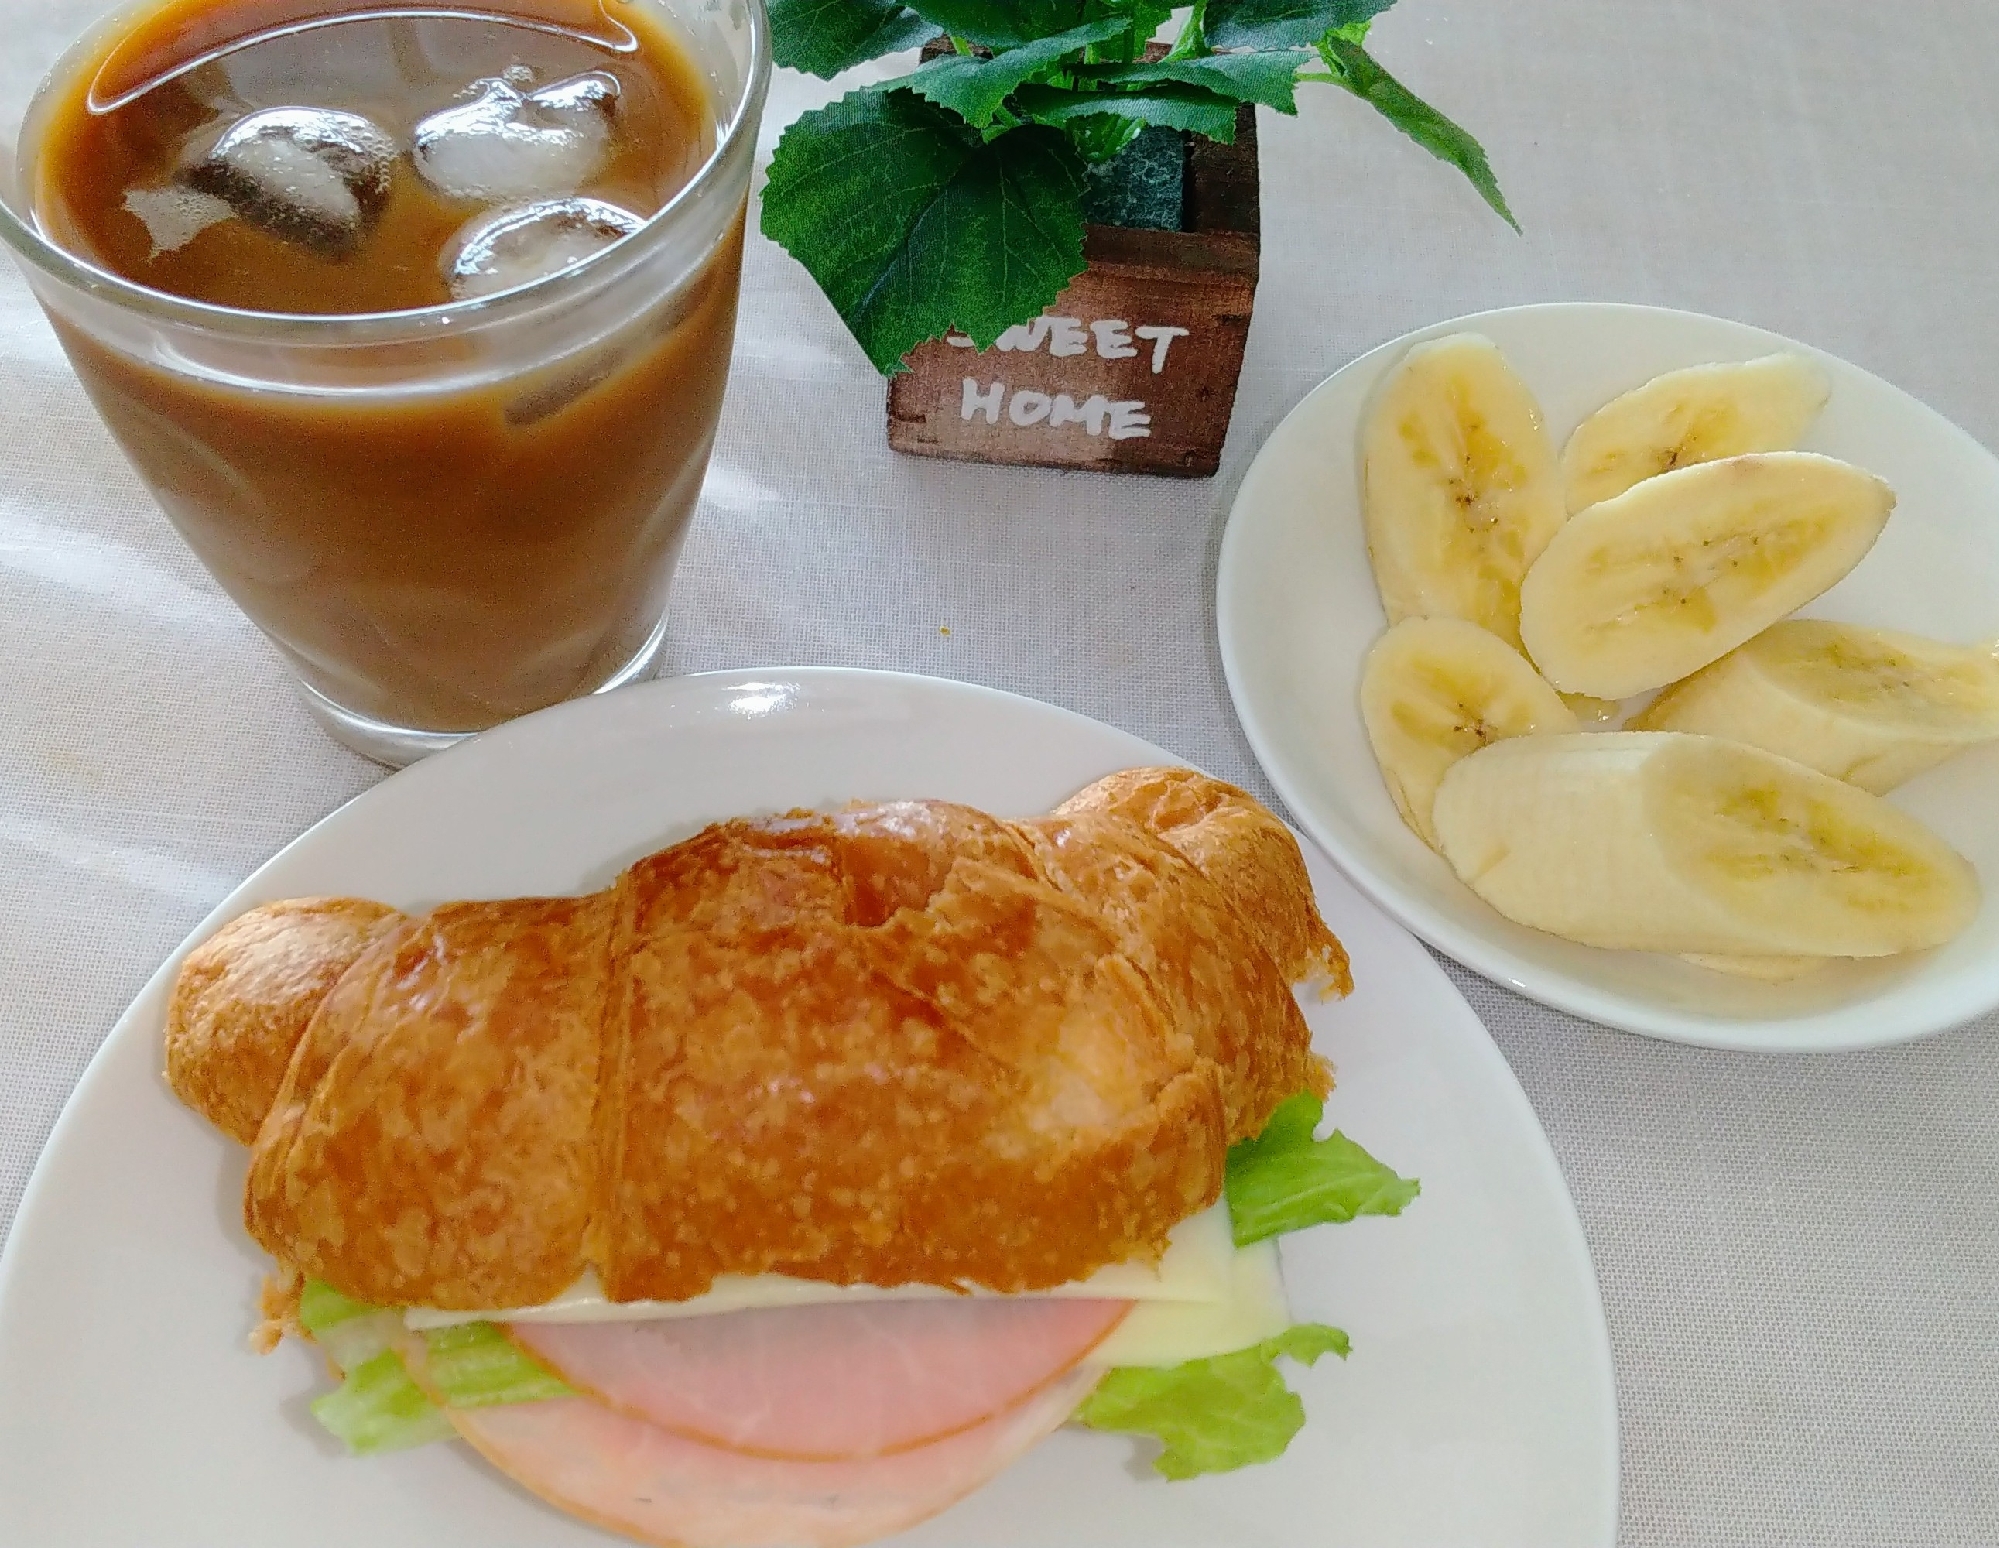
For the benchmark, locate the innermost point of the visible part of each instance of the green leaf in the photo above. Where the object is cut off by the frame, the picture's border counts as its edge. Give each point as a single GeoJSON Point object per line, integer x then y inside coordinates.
{"type": "Point", "coordinates": [1284, 1180]}
{"type": "Point", "coordinates": [974, 88]}
{"type": "Point", "coordinates": [1355, 69]}
{"type": "Point", "coordinates": [322, 1308]}
{"type": "Point", "coordinates": [1267, 76]}
{"type": "Point", "coordinates": [378, 1408]}
{"type": "Point", "coordinates": [1142, 18]}
{"type": "Point", "coordinates": [1284, 23]}
{"type": "Point", "coordinates": [1306, 1341]}
{"type": "Point", "coordinates": [1169, 104]}
{"type": "Point", "coordinates": [349, 1332]}
{"type": "Point", "coordinates": [1101, 139]}
{"type": "Point", "coordinates": [1148, 18]}
{"type": "Point", "coordinates": [1217, 1414]}
{"type": "Point", "coordinates": [1004, 23]}
{"type": "Point", "coordinates": [1193, 40]}
{"type": "Point", "coordinates": [913, 225]}
{"type": "Point", "coordinates": [1290, 1126]}
{"type": "Point", "coordinates": [475, 1365]}
{"type": "Point", "coordinates": [824, 37]}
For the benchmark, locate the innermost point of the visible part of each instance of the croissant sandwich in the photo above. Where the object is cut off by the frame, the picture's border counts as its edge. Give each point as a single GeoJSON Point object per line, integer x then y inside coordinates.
{"type": "Point", "coordinates": [788, 1188]}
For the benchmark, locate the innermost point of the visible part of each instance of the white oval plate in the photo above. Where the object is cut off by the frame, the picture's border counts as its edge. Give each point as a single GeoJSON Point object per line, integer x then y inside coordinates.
{"type": "Point", "coordinates": [1297, 610]}
{"type": "Point", "coordinates": [1477, 1406]}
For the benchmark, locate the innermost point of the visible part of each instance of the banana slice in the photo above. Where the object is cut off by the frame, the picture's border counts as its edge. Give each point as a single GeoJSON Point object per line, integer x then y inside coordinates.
{"type": "Point", "coordinates": [1435, 689]}
{"type": "Point", "coordinates": [1593, 712]}
{"type": "Point", "coordinates": [1458, 485]}
{"type": "Point", "coordinates": [1769, 970]}
{"type": "Point", "coordinates": [1642, 590]}
{"type": "Point", "coordinates": [1658, 841]}
{"type": "Point", "coordinates": [1700, 414]}
{"type": "Point", "coordinates": [1869, 706]}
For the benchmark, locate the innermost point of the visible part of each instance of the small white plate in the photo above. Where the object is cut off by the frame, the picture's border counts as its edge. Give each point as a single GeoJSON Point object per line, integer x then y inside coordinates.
{"type": "Point", "coordinates": [1297, 610]}
{"type": "Point", "coordinates": [1477, 1406]}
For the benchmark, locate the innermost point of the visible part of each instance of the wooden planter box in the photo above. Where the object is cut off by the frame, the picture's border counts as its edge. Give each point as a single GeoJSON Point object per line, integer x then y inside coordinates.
{"type": "Point", "coordinates": [1134, 368]}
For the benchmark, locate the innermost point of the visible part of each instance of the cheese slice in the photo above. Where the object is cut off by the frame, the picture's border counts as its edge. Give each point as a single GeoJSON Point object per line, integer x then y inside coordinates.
{"type": "Point", "coordinates": [1172, 1332]}
{"type": "Point", "coordinates": [1205, 1296]}
{"type": "Point", "coordinates": [1198, 1267]}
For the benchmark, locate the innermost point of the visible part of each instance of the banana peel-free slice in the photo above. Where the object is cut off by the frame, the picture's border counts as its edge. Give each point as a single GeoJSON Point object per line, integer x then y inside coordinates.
{"type": "Point", "coordinates": [1592, 712]}
{"type": "Point", "coordinates": [1700, 414]}
{"type": "Point", "coordinates": [1660, 841]}
{"type": "Point", "coordinates": [1765, 970]}
{"type": "Point", "coordinates": [1677, 571]}
{"type": "Point", "coordinates": [1435, 689]}
{"type": "Point", "coordinates": [1459, 487]}
{"type": "Point", "coordinates": [1873, 707]}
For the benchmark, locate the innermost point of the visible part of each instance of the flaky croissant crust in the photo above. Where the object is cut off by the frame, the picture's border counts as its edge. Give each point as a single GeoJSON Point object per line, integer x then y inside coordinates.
{"type": "Point", "coordinates": [904, 1043]}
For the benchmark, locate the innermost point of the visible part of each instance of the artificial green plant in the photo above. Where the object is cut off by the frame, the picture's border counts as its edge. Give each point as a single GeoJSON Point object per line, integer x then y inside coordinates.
{"type": "Point", "coordinates": [952, 198]}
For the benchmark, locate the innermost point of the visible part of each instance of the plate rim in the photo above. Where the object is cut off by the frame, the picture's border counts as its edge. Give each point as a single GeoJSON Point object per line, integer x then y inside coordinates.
{"type": "Point", "coordinates": [1470, 1029]}
{"type": "Point", "coordinates": [1472, 949]}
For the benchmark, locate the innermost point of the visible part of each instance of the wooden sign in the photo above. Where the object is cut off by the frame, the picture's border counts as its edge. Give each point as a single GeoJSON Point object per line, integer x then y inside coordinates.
{"type": "Point", "coordinates": [1134, 368]}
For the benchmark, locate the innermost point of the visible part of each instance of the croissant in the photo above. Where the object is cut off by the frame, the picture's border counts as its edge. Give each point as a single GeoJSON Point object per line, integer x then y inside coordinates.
{"type": "Point", "coordinates": [901, 1043]}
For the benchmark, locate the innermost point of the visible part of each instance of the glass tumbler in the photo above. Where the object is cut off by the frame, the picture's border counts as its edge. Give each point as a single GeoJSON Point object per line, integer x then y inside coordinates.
{"type": "Point", "coordinates": [446, 517]}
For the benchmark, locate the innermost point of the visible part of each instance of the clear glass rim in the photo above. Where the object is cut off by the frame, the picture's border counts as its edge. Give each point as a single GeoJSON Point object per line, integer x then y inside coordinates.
{"type": "Point", "coordinates": [19, 232]}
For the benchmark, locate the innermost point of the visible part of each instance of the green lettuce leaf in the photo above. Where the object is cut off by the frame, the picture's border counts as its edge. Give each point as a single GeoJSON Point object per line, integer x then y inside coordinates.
{"type": "Point", "coordinates": [1283, 23]}
{"type": "Point", "coordinates": [1217, 1414]}
{"type": "Point", "coordinates": [1268, 76]}
{"type": "Point", "coordinates": [974, 88]}
{"type": "Point", "coordinates": [349, 1332]}
{"type": "Point", "coordinates": [1284, 1180]}
{"type": "Point", "coordinates": [1169, 105]}
{"type": "Point", "coordinates": [1352, 67]}
{"type": "Point", "coordinates": [966, 233]}
{"type": "Point", "coordinates": [824, 37]}
{"type": "Point", "coordinates": [322, 1308]}
{"type": "Point", "coordinates": [378, 1408]}
{"type": "Point", "coordinates": [475, 1365]}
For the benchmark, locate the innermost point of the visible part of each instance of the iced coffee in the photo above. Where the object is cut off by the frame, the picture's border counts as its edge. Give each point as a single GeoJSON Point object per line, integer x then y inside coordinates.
{"type": "Point", "coordinates": [450, 487]}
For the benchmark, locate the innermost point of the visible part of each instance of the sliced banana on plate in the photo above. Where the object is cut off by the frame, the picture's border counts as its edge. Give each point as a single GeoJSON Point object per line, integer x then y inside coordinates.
{"type": "Point", "coordinates": [1870, 706]}
{"type": "Point", "coordinates": [1769, 970]}
{"type": "Point", "coordinates": [1658, 841]}
{"type": "Point", "coordinates": [1435, 689]}
{"type": "Point", "coordinates": [1677, 571]}
{"type": "Point", "coordinates": [1592, 712]}
{"type": "Point", "coordinates": [1701, 414]}
{"type": "Point", "coordinates": [1459, 488]}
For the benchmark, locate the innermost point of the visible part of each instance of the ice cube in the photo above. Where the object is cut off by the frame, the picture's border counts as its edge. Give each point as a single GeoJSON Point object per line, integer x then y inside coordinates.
{"type": "Point", "coordinates": [514, 246]}
{"type": "Point", "coordinates": [547, 398]}
{"type": "Point", "coordinates": [504, 144]}
{"type": "Point", "coordinates": [582, 100]}
{"type": "Point", "coordinates": [315, 176]}
{"type": "Point", "coordinates": [175, 215]}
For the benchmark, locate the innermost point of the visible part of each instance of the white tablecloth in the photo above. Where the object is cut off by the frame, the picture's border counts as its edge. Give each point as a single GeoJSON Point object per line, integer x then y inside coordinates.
{"type": "Point", "coordinates": [1799, 1256]}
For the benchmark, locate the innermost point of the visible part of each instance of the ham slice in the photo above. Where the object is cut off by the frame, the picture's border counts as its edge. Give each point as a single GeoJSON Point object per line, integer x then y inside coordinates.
{"type": "Point", "coordinates": [829, 1382]}
{"type": "Point", "coordinates": [631, 1477]}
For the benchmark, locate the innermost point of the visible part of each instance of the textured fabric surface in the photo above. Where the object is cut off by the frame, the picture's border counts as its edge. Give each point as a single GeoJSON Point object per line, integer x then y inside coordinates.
{"type": "Point", "coordinates": [1799, 1256]}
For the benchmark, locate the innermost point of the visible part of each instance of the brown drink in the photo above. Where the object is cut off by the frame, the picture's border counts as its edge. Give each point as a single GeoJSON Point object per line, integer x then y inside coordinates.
{"type": "Point", "coordinates": [453, 524]}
